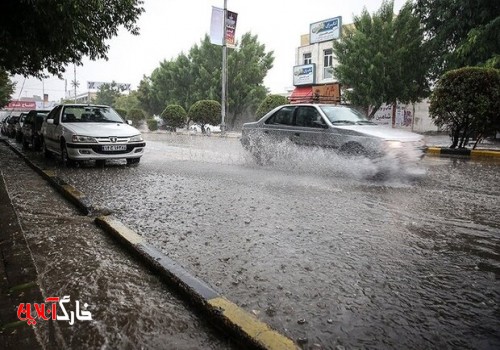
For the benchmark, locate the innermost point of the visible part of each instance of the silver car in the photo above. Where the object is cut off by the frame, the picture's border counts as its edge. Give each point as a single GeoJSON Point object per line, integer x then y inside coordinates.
{"type": "Point", "coordinates": [78, 132]}
{"type": "Point", "coordinates": [331, 126]}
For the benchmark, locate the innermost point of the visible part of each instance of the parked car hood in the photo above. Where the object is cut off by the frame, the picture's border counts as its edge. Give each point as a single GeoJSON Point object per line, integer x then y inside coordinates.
{"type": "Point", "coordinates": [384, 133]}
{"type": "Point", "coordinates": [102, 129]}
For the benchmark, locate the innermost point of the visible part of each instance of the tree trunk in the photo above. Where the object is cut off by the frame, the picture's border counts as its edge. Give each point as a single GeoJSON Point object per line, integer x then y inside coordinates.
{"type": "Point", "coordinates": [454, 138]}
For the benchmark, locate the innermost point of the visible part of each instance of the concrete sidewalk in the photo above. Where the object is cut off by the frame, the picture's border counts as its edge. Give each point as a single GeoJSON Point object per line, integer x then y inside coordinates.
{"type": "Point", "coordinates": [18, 278]}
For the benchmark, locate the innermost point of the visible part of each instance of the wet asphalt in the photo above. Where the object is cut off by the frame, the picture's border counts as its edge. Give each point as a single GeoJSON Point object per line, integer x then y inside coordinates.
{"type": "Point", "coordinates": [131, 308]}
{"type": "Point", "coordinates": [312, 244]}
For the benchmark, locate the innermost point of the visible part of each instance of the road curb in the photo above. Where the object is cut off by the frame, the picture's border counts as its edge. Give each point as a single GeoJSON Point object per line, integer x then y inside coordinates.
{"type": "Point", "coordinates": [246, 327]}
{"type": "Point", "coordinates": [462, 152]}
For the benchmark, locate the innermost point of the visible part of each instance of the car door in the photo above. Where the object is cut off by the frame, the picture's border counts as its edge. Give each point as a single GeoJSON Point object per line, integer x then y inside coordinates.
{"type": "Point", "coordinates": [279, 126]}
{"type": "Point", "coordinates": [50, 129]}
{"type": "Point", "coordinates": [310, 127]}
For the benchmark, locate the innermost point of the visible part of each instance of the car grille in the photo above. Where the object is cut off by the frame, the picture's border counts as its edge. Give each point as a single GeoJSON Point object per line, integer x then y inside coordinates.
{"type": "Point", "coordinates": [107, 139]}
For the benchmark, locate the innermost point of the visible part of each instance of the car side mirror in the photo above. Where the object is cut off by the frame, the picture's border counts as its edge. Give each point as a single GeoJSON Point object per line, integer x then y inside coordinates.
{"type": "Point", "coordinates": [129, 122]}
{"type": "Point", "coordinates": [50, 121]}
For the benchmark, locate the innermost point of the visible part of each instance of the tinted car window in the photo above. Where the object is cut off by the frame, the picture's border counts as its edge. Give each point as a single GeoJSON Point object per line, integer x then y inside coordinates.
{"type": "Point", "coordinates": [308, 117]}
{"type": "Point", "coordinates": [54, 114]}
{"type": "Point", "coordinates": [283, 117]}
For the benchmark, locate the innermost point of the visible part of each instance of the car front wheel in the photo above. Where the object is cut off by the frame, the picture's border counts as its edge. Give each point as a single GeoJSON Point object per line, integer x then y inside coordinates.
{"type": "Point", "coordinates": [66, 160]}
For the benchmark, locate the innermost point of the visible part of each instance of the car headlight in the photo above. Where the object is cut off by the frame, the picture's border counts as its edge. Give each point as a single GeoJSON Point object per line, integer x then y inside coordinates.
{"type": "Point", "coordinates": [136, 138]}
{"type": "Point", "coordinates": [81, 138]}
{"type": "Point", "coordinates": [394, 144]}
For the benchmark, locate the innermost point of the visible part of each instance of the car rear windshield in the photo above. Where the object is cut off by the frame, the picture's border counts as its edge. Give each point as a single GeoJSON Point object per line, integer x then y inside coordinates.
{"type": "Point", "coordinates": [90, 114]}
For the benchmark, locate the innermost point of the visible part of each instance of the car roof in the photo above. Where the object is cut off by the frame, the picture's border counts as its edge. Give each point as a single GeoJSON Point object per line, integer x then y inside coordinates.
{"type": "Point", "coordinates": [82, 105]}
{"type": "Point", "coordinates": [316, 104]}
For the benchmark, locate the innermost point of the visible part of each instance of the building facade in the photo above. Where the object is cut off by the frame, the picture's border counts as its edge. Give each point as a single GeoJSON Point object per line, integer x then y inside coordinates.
{"type": "Point", "coordinates": [315, 81]}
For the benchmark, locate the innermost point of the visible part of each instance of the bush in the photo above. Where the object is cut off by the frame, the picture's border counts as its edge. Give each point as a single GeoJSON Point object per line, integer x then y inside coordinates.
{"type": "Point", "coordinates": [152, 124]}
{"type": "Point", "coordinates": [269, 103]}
{"type": "Point", "coordinates": [137, 116]}
{"type": "Point", "coordinates": [205, 112]}
{"type": "Point", "coordinates": [121, 112]}
{"type": "Point", "coordinates": [174, 116]}
{"type": "Point", "coordinates": [466, 101]}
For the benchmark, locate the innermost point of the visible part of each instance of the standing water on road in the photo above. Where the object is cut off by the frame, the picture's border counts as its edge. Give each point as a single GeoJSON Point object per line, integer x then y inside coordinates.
{"type": "Point", "coordinates": [313, 246]}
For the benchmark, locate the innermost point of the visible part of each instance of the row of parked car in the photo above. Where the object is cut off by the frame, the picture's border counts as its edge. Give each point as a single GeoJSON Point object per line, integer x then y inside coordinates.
{"type": "Point", "coordinates": [25, 127]}
{"type": "Point", "coordinates": [77, 132]}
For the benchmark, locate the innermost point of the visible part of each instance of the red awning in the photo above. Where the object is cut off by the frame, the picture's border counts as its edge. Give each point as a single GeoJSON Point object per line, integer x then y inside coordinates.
{"type": "Point", "coordinates": [301, 94]}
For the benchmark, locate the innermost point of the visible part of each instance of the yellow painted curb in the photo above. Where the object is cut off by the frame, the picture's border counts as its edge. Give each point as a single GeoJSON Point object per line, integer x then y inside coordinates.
{"type": "Point", "coordinates": [73, 191]}
{"type": "Point", "coordinates": [121, 230]}
{"type": "Point", "coordinates": [49, 173]}
{"type": "Point", "coordinates": [260, 332]}
{"type": "Point", "coordinates": [485, 153]}
{"type": "Point", "coordinates": [433, 150]}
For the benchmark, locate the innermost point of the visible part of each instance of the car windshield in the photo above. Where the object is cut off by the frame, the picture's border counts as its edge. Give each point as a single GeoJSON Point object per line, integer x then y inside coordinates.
{"type": "Point", "coordinates": [90, 114]}
{"type": "Point", "coordinates": [338, 115]}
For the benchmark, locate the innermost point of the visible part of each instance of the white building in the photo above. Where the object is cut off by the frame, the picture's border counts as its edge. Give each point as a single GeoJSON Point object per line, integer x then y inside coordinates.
{"type": "Point", "coordinates": [313, 75]}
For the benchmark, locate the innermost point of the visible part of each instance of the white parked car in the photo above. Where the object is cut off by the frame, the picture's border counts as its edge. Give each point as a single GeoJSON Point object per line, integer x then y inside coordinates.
{"type": "Point", "coordinates": [78, 132]}
{"type": "Point", "coordinates": [196, 128]}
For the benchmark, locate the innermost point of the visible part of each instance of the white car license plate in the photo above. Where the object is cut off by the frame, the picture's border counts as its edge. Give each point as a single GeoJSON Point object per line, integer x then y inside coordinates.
{"type": "Point", "coordinates": [114, 148]}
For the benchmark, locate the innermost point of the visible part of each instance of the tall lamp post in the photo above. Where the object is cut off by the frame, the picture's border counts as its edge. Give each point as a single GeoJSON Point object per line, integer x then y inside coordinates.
{"type": "Point", "coordinates": [224, 72]}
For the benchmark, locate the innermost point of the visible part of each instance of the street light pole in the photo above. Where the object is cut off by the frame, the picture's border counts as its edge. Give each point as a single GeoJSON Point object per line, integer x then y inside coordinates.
{"type": "Point", "coordinates": [224, 71]}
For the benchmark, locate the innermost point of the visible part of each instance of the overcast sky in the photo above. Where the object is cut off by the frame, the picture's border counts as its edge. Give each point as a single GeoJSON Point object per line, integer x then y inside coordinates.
{"type": "Point", "coordinates": [169, 27]}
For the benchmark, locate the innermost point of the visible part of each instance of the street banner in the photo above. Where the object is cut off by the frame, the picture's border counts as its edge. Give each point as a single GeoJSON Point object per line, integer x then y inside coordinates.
{"type": "Point", "coordinates": [217, 24]}
{"type": "Point", "coordinates": [231, 29]}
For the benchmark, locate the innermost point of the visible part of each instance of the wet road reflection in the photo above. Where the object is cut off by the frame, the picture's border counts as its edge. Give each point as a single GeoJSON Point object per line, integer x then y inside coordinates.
{"type": "Point", "coordinates": [316, 247]}
{"type": "Point", "coordinates": [131, 308]}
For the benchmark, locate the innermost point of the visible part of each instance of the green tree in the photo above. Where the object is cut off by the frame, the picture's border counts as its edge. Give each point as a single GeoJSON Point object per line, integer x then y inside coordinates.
{"type": "Point", "coordinates": [137, 116]}
{"type": "Point", "coordinates": [248, 67]}
{"type": "Point", "coordinates": [174, 116]}
{"type": "Point", "coordinates": [121, 112]}
{"type": "Point", "coordinates": [381, 59]}
{"type": "Point", "coordinates": [48, 35]}
{"type": "Point", "coordinates": [461, 33]}
{"type": "Point", "coordinates": [107, 94]}
{"type": "Point", "coordinates": [127, 102]}
{"type": "Point", "coordinates": [6, 88]}
{"type": "Point", "coordinates": [197, 76]}
{"type": "Point", "coordinates": [205, 112]}
{"type": "Point", "coordinates": [147, 98]}
{"type": "Point", "coordinates": [467, 102]}
{"type": "Point", "coordinates": [269, 103]}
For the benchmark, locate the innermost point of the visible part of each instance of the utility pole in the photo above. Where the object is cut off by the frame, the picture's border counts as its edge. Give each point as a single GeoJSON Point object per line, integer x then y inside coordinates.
{"type": "Point", "coordinates": [224, 72]}
{"type": "Point", "coordinates": [74, 82]}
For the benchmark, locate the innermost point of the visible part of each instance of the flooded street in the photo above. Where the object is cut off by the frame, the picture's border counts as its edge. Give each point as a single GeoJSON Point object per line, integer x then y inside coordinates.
{"type": "Point", "coordinates": [312, 244]}
{"type": "Point", "coordinates": [131, 308]}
